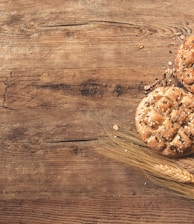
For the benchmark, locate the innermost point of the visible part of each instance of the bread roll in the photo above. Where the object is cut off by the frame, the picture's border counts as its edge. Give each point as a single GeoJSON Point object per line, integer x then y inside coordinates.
{"type": "Point", "coordinates": [165, 121]}
{"type": "Point", "coordinates": [184, 63]}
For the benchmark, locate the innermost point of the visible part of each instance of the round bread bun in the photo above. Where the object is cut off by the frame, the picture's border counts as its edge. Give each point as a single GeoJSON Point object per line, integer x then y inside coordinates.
{"type": "Point", "coordinates": [165, 121]}
{"type": "Point", "coordinates": [184, 63]}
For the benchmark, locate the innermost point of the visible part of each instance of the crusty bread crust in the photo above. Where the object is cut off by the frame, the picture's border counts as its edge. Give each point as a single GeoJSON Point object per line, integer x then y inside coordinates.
{"type": "Point", "coordinates": [184, 63]}
{"type": "Point", "coordinates": [165, 121]}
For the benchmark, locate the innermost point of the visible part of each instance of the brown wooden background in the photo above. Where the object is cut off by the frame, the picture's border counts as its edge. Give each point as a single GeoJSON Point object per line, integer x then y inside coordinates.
{"type": "Point", "coordinates": [65, 64]}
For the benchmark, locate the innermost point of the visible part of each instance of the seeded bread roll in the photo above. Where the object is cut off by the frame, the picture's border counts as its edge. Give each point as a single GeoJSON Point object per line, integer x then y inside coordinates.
{"type": "Point", "coordinates": [184, 63]}
{"type": "Point", "coordinates": [165, 121]}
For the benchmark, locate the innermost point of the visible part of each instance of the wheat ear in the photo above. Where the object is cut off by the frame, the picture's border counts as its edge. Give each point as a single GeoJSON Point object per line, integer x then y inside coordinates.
{"type": "Point", "coordinates": [175, 173]}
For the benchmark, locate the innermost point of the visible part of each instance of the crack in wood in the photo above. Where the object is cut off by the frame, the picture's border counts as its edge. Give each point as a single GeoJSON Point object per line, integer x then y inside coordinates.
{"type": "Point", "coordinates": [73, 140]}
{"type": "Point", "coordinates": [90, 22]}
{"type": "Point", "coordinates": [68, 25]}
{"type": "Point", "coordinates": [5, 94]}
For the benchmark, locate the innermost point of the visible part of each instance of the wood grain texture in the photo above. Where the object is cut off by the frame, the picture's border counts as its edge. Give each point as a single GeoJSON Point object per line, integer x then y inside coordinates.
{"type": "Point", "coordinates": [65, 65]}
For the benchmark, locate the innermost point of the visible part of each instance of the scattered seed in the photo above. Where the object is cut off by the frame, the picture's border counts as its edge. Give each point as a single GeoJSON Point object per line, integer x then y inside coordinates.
{"type": "Point", "coordinates": [140, 46]}
{"type": "Point", "coordinates": [170, 63]}
{"type": "Point", "coordinates": [115, 127]}
{"type": "Point", "coordinates": [178, 33]}
{"type": "Point", "coordinates": [182, 37]}
{"type": "Point", "coordinates": [147, 87]}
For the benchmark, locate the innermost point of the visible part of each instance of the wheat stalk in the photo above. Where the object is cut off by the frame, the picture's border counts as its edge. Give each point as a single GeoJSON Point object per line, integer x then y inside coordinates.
{"type": "Point", "coordinates": [182, 189]}
{"type": "Point", "coordinates": [175, 173]}
{"type": "Point", "coordinates": [125, 146]}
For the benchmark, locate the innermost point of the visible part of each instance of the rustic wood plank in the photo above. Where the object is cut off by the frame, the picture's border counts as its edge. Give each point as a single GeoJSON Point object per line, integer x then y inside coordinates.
{"type": "Point", "coordinates": [65, 65]}
{"type": "Point", "coordinates": [97, 210]}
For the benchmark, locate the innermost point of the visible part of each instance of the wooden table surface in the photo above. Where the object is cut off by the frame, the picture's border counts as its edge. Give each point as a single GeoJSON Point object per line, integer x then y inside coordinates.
{"type": "Point", "coordinates": [66, 66]}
